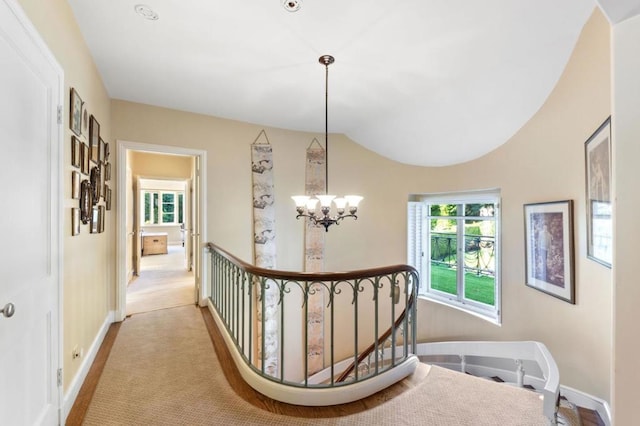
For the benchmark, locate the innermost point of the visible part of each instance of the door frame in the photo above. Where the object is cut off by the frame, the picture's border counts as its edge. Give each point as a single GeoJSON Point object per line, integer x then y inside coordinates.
{"type": "Point", "coordinates": [122, 147]}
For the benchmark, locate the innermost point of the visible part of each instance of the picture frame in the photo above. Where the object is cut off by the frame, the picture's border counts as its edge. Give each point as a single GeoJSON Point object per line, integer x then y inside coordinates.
{"type": "Point", "coordinates": [76, 157]}
{"type": "Point", "coordinates": [107, 197]}
{"type": "Point", "coordinates": [101, 219]}
{"type": "Point", "coordinates": [107, 172]}
{"type": "Point", "coordinates": [85, 166]}
{"type": "Point", "coordinates": [96, 184]}
{"type": "Point", "coordinates": [75, 112]}
{"type": "Point", "coordinates": [94, 139]}
{"type": "Point", "coordinates": [75, 221]}
{"type": "Point", "coordinates": [95, 220]}
{"type": "Point", "coordinates": [102, 180]}
{"type": "Point", "coordinates": [85, 201]}
{"type": "Point", "coordinates": [75, 185]}
{"type": "Point", "coordinates": [597, 155]}
{"type": "Point", "coordinates": [85, 120]}
{"type": "Point", "coordinates": [549, 259]}
{"type": "Point", "coordinates": [106, 152]}
{"type": "Point", "coordinates": [101, 152]}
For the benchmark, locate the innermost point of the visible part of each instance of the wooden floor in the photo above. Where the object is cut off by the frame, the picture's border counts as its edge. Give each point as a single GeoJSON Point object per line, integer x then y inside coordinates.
{"type": "Point", "coordinates": [81, 404]}
{"type": "Point", "coordinates": [76, 416]}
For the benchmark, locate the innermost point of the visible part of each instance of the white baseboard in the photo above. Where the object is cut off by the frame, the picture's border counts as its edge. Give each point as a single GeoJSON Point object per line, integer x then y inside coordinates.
{"type": "Point", "coordinates": [76, 383]}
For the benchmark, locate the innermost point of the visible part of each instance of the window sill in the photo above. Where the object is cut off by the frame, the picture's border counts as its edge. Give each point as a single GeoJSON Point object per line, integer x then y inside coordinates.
{"type": "Point", "coordinates": [495, 319]}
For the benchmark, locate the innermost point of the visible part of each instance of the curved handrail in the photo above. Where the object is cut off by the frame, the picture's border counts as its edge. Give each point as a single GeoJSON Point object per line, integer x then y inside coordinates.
{"type": "Point", "coordinates": [384, 336]}
{"type": "Point", "coordinates": [311, 276]}
{"type": "Point", "coordinates": [264, 314]}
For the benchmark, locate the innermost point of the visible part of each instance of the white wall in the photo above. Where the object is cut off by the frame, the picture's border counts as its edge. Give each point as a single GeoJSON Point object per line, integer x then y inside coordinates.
{"type": "Point", "coordinates": [626, 157]}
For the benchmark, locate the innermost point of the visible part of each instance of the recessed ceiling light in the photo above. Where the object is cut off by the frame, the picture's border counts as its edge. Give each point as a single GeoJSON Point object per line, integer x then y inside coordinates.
{"type": "Point", "coordinates": [146, 12]}
{"type": "Point", "coordinates": [292, 5]}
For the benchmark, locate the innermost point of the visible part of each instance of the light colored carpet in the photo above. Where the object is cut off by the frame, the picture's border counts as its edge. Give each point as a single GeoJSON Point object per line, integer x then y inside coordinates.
{"type": "Point", "coordinates": [163, 370]}
{"type": "Point", "coordinates": [163, 283]}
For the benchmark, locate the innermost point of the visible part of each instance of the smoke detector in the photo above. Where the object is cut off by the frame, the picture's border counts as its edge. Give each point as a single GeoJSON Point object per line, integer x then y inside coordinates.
{"type": "Point", "coordinates": [292, 5]}
{"type": "Point", "coordinates": [146, 12]}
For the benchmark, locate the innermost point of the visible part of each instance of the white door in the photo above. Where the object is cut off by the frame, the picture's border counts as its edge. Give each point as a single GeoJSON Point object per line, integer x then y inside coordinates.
{"type": "Point", "coordinates": [136, 206]}
{"type": "Point", "coordinates": [195, 227]}
{"type": "Point", "coordinates": [30, 92]}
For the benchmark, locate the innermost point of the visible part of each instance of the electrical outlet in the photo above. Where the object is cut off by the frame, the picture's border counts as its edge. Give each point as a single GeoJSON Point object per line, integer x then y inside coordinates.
{"type": "Point", "coordinates": [75, 354]}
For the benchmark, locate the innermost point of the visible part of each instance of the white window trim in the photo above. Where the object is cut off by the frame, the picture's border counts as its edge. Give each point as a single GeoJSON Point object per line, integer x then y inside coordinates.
{"type": "Point", "coordinates": [160, 192]}
{"type": "Point", "coordinates": [418, 250]}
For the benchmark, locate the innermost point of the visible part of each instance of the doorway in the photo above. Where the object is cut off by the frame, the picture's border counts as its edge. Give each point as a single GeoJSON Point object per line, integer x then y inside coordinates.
{"type": "Point", "coordinates": [159, 227]}
{"type": "Point", "coordinates": [161, 273]}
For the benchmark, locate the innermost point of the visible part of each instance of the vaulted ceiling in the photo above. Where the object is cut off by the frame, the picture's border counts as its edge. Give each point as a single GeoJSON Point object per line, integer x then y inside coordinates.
{"type": "Point", "coordinates": [425, 82]}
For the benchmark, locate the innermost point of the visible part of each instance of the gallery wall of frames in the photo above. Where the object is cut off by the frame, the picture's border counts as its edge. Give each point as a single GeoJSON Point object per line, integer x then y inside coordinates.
{"type": "Point", "coordinates": [91, 169]}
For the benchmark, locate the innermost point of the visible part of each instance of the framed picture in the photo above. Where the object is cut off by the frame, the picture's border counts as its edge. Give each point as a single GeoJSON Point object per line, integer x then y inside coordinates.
{"type": "Point", "coordinates": [102, 180]}
{"type": "Point", "coordinates": [107, 197]}
{"type": "Point", "coordinates": [96, 184]}
{"type": "Point", "coordinates": [107, 172]}
{"type": "Point", "coordinates": [85, 121]}
{"type": "Point", "coordinates": [94, 139]}
{"type": "Point", "coordinates": [106, 152]}
{"type": "Point", "coordinates": [549, 248]}
{"type": "Point", "coordinates": [75, 185]}
{"type": "Point", "coordinates": [597, 154]}
{"type": "Point", "coordinates": [85, 158]}
{"type": "Point", "coordinates": [76, 157]}
{"type": "Point", "coordinates": [75, 112]}
{"type": "Point", "coordinates": [95, 220]}
{"type": "Point", "coordinates": [75, 221]}
{"type": "Point", "coordinates": [85, 201]}
{"type": "Point", "coordinates": [101, 218]}
{"type": "Point", "coordinates": [101, 151]}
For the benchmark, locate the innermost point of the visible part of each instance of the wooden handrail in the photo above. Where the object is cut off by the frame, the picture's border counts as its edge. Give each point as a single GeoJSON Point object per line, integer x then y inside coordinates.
{"type": "Point", "coordinates": [311, 276]}
{"type": "Point", "coordinates": [382, 338]}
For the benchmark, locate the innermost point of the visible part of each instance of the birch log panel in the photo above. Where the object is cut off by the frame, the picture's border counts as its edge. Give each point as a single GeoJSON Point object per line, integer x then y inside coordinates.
{"type": "Point", "coordinates": [315, 183]}
{"type": "Point", "coordinates": [265, 254]}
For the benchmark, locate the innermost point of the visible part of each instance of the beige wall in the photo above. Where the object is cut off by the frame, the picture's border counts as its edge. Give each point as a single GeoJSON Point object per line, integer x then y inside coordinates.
{"type": "Point", "coordinates": [626, 154]}
{"type": "Point", "coordinates": [150, 165]}
{"type": "Point", "coordinates": [88, 258]}
{"type": "Point", "coordinates": [542, 162]}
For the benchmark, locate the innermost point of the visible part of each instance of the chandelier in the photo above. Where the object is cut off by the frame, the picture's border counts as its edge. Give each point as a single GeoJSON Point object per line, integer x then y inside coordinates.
{"type": "Point", "coordinates": [346, 206]}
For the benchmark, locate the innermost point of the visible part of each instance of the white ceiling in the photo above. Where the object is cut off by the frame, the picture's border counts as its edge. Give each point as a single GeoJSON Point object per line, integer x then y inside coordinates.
{"type": "Point", "coordinates": [425, 82]}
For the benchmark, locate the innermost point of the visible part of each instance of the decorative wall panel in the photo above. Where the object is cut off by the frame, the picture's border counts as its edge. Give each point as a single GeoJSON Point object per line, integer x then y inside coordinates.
{"type": "Point", "coordinates": [264, 238]}
{"type": "Point", "coordinates": [315, 181]}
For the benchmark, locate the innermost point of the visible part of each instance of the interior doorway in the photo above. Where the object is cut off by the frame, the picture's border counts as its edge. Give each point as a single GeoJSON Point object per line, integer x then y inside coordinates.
{"type": "Point", "coordinates": [161, 274]}
{"type": "Point", "coordinates": [159, 227]}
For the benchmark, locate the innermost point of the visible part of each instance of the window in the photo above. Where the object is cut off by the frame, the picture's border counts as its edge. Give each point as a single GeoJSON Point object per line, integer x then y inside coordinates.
{"type": "Point", "coordinates": [162, 207]}
{"type": "Point", "coordinates": [453, 242]}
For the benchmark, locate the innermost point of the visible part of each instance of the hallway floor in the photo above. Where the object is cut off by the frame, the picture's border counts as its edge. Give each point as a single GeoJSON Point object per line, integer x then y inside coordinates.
{"type": "Point", "coordinates": [163, 283]}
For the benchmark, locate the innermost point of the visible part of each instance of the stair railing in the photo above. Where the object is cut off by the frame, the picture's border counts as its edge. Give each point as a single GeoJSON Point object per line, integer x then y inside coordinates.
{"type": "Point", "coordinates": [265, 315]}
{"type": "Point", "coordinates": [373, 348]}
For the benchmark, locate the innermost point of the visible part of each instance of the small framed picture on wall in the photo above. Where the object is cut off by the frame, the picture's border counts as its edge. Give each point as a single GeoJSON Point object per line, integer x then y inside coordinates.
{"type": "Point", "coordinates": [75, 221]}
{"type": "Point", "coordinates": [597, 152]}
{"type": "Point", "coordinates": [76, 157]}
{"type": "Point", "coordinates": [94, 139]}
{"type": "Point", "coordinates": [75, 185]}
{"type": "Point", "coordinates": [75, 112]}
{"type": "Point", "coordinates": [549, 248]}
